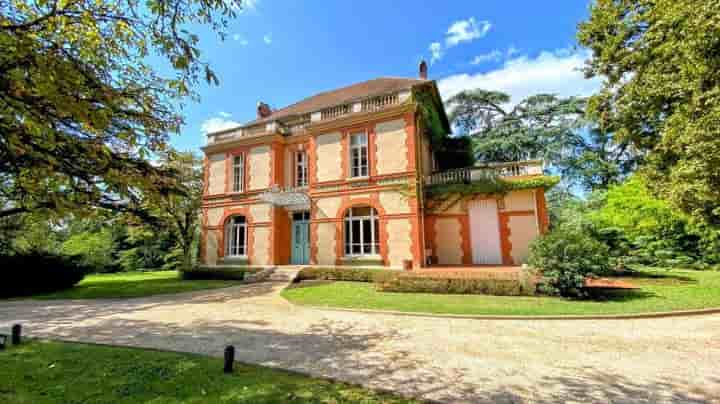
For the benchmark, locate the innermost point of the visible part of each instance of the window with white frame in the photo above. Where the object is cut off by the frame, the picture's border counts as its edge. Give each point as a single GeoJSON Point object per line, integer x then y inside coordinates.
{"type": "Point", "coordinates": [301, 169]}
{"type": "Point", "coordinates": [238, 171]}
{"type": "Point", "coordinates": [236, 237]}
{"type": "Point", "coordinates": [359, 155]}
{"type": "Point", "coordinates": [362, 231]}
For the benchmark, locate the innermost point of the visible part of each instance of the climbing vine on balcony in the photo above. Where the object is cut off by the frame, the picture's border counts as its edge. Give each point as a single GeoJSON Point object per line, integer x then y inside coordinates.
{"type": "Point", "coordinates": [442, 197]}
{"type": "Point", "coordinates": [492, 185]}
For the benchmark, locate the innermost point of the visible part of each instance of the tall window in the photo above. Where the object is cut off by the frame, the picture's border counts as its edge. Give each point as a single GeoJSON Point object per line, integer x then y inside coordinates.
{"type": "Point", "coordinates": [359, 155]}
{"type": "Point", "coordinates": [236, 237]}
{"type": "Point", "coordinates": [362, 232]}
{"type": "Point", "coordinates": [301, 169]}
{"type": "Point", "coordinates": [238, 169]}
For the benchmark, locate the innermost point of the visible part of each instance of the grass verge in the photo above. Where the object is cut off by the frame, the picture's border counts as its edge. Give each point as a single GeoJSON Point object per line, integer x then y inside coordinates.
{"type": "Point", "coordinates": [661, 290]}
{"type": "Point", "coordinates": [133, 284]}
{"type": "Point", "coordinates": [55, 372]}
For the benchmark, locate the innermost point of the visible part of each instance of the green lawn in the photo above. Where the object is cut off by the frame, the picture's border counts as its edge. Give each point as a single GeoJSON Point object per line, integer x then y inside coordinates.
{"type": "Point", "coordinates": [661, 290]}
{"type": "Point", "coordinates": [133, 284]}
{"type": "Point", "coordinates": [54, 372]}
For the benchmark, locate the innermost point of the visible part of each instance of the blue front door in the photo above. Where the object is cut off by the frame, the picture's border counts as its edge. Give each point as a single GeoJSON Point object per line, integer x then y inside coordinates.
{"type": "Point", "coordinates": [300, 239]}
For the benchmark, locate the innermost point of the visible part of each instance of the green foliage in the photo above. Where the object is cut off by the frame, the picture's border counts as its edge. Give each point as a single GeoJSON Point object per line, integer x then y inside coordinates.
{"type": "Point", "coordinates": [454, 152]}
{"type": "Point", "coordinates": [81, 107]}
{"type": "Point", "coordinates": [651, 230]}
{"type": "Point", "coordinates": [60, 373]}
{"type": "Point", "coordinates": [123, 285]}
{"type": "Point", "coordinates": [430, 113]}
{"type": "Point", "coordinates": [345, 274]}
{"type": "Point", "coordinates": [94, 250]}
{"type": "Point", "coordinates": [35, 233]}
{"type": "Point", "coordinates": [661, 92]}
{"type": "Point", "coordinates": [661, 290]}
{"type": "Point", "coordinates": [491, 185]}
{"type": "Point", "coordinates": [38, 272]}
{"type": "Point", "coordinates": [216, 272]}
{"type": "Point", "coordinates": [545, 127]}
{"type": "Point", "coordinates": [178, 213]}
{"type": "Point", "coordinates": [407, 283]}
{"type": "Point", "coordinates": [565, 257]}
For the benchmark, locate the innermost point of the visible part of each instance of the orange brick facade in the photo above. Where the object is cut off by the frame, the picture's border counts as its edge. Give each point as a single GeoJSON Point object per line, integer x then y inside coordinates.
{"type": "Point", "coordinates": [350, 193]}
{"type": "Point", "coordinates": [408, 228]}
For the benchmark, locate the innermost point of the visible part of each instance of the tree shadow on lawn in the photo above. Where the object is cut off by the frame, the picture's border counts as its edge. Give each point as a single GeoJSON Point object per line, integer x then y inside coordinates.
{"type": "Point", "coordinates": [617, 295]}
{"type": "Point", "coordinates": [599, 386]}
{"type": "Point", "coordinates": [340, 349]}
{"type": "Point", "coordinates": [655, 278]}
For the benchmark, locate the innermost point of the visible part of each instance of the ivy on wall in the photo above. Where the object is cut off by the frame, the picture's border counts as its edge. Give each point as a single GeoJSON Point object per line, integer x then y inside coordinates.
{"type": "Point", "coordinates": [430, 115]}
{"type": "Point", "coordinates": [493, 185]}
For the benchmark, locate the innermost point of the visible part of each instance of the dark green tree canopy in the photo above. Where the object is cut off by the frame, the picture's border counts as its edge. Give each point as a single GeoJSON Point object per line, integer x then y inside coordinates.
{"type": "Point", "coordinates": [81, 108]}
{"type": "Point", "coordinates": [542, 126]}
{"type": "Point", "coordinates": [661, 64]}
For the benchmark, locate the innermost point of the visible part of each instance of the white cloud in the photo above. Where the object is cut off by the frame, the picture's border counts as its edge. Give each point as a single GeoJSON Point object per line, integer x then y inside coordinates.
{"type": "Point", "coordinates": [550, 72]}
{"type": "Point", "coordinates": [466, 31]}
{"type": "Point", "coordinates": [216, 124]}
{"type": "Point", "coordinates": [225, 114]}
{"type": "Point", "coordinates": [487, 57]}
{"type": "Point", "coordinates": [436, 52]}
{"type": "Point", "coordinates": [512, 50]}
{"type": "Point", "coordinates": [459, 31]}
{"type": "Point", "coordinates": [239, 38]}
{"type": "Point", "coordinates": [242, 5]}
{"type": "Point", "coordinates": [267, 38]}
{"type": "Point", "coordinates": [250, 4]}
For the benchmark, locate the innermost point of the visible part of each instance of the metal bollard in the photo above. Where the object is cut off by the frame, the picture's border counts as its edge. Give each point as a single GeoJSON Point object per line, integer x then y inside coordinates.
{"type": "Point", "coordinates": [16, 334]}
{"type": "Point", "coordinates": [229, 358]}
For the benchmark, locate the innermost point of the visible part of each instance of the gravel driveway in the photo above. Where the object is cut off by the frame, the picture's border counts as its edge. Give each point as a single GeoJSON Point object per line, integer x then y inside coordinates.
{"type": "Point", "coordinates": [452, 360]}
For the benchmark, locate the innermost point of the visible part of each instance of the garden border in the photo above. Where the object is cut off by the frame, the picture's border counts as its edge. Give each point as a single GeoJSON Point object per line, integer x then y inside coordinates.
{"type": "Point", "coordinates": [636, 316]}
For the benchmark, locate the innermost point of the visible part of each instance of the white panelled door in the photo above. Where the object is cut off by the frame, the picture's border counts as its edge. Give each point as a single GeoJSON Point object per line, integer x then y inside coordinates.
{"type": "Point", "coordinates": [485, 232]}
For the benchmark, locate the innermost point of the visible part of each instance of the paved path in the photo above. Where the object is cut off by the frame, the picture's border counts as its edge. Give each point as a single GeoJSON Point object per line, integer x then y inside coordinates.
{"type": "Point", "coordinates": [452, 360]}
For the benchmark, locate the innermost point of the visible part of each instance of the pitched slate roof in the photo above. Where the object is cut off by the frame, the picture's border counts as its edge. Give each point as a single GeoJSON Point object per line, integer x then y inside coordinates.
{"type": "Point", "coordinates": [342, 95]}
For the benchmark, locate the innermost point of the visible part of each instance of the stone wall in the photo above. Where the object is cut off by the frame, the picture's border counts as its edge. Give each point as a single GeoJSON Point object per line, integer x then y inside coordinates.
{"type": "Point", "coordinates": [329, 157]}
{"type": "Point", "coordinates": [259, 167]}
{"type": "Point", "coordinates": [399, 241]}
{"type": "Point", "coordinates": [216, 171]}
{"type": "Point", "coordinates": [261, 245]}
{"type": "Point", "coordinates": [391, 147]}
{"type": "Point", "coordinates": [326, 243]}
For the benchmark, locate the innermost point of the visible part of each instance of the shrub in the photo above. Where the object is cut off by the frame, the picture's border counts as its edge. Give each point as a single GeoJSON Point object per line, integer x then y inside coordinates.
{"type": "Point", "coordinates": [217, 273]}
{"type": "Point", "coordinates": [453, 284]}
{"type": "Point", "coordinates": [39, 272]}
{"type": "Point", "coordinates": [345, 274]}
{"type": "Point", "coordinates": [94, 249]}
{"type": "Point", "coordinates": [565, 257]}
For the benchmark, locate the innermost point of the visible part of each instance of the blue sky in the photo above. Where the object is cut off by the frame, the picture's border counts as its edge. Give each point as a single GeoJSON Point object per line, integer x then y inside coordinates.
{"type": "Point", "coordinates": [282, 51]}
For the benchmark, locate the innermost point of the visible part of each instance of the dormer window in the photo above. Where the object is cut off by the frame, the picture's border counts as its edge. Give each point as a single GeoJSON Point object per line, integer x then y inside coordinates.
{"type": "Point", "coordinates": [238, 172]}
{"type": "Point", "coordinates": [359, 166]}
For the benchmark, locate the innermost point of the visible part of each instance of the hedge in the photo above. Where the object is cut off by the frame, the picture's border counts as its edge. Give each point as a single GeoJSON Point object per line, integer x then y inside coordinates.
{"type": "Point", "coordinates": [409, 283]}
{"type": "Point", "coordinates": [32, 273]}
{"type": "Point", "coordinates": [217, 273]}
{"type": "Point", "coordinates": [346, 274]}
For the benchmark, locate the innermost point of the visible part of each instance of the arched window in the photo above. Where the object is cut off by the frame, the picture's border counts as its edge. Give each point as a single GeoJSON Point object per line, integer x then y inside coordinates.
{"type": "Point", "coordinates": [236, 237]}
{"type": "Point", "coordinates": [362, 231]}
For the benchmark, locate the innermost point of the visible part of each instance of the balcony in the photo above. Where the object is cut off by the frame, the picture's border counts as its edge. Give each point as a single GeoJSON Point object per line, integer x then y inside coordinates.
{"type": "Point", "coordinates": [486, 171]}
{"type": "Point", "coordinates": [298, 124]}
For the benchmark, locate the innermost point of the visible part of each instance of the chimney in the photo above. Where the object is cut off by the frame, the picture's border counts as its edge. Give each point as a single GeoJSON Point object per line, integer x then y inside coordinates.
{"type": "Point", "coordinates": [423, 70]}
{"type": "Point", "coordinates": [263, 110]}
